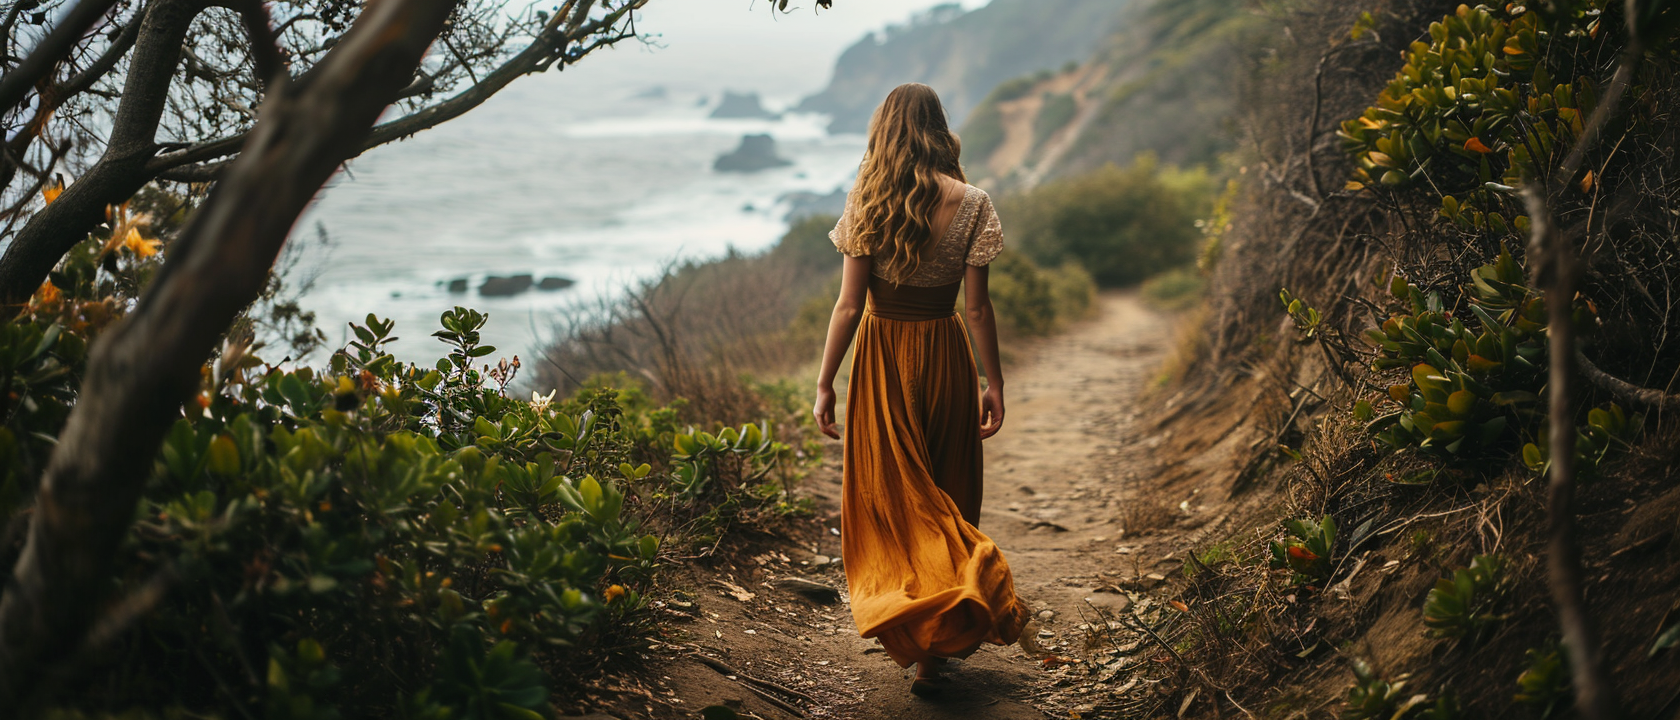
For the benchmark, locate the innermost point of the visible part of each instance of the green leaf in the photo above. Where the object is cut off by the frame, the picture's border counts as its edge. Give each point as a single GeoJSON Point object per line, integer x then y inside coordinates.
{"type": "Point", "coordinates": [1669, 638]}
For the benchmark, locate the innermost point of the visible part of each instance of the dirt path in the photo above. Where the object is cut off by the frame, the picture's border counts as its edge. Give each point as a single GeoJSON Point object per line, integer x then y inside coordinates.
{"type": "Point", "coordinates": [1052, 503]}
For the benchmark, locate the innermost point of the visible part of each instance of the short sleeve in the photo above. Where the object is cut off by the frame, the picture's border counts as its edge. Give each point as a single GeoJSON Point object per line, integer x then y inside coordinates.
{"type": "Point", "coordinates": [988, 235]}
{"type": "Point", "coordinates": [841, 235]}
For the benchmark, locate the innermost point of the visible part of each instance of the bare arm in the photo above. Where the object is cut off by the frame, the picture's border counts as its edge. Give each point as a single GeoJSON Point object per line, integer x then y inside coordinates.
{"type": "Point", "coordinates": [983, 323]}
{"type": "Point", "coordinates": [842, 325]}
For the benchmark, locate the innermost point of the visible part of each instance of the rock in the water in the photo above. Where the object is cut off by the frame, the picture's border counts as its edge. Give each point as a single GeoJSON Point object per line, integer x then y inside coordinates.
{"type": "Point", "coordinates": [812, 590]}
{"type": "Point", "coordinates": [496, 286]}
{"type": "Point", "coordinates": [802, 204]}
{"type": "Point", "coordinates": [458, 285]}
{"type": "Point", "coordinates": [555, 283]}
{"type": "Point", "coordinates": [757, 152]}
{"type": "Point", "coordinates": [742, 105]}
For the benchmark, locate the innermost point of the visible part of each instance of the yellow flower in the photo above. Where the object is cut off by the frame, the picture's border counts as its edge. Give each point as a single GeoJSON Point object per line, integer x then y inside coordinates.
{"type": "Point", "coordinates": [613, 593]}
{"type": "Point", "coordinates": [47, 295]}
{"type": "Point", "coordinates": [141, 246]}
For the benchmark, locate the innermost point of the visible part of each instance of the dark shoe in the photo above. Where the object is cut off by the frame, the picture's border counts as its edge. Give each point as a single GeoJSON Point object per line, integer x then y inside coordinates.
{"type": "Point", "coordinates": [929, 688]}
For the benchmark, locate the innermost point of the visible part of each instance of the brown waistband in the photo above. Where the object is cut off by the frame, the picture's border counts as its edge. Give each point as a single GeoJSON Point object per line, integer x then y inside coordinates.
{"type": "Point", "coordinates": [911, 303]}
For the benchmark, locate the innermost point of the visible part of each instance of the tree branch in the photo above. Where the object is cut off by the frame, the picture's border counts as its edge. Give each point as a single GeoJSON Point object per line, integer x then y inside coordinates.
{"type": "Point", "coordinates": [85, 79]}
{"type": "Point", "coordinates": [1556, 272]}
{"type": "Point", "coordinates": [549, 43]}
{"type": "Point", "coordinates": [145, 365]}
{"type": "Point", "coordinates": [120, 171]}
{"type": "Point", "coordinates": [1623, 390]}
{"type": "Point", "coordinates": [52, 50]}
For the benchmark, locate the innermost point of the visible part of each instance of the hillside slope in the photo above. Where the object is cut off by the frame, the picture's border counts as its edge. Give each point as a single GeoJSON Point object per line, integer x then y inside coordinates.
{"type": "Point", "coordinates": [961, 54]}
{"type": "Point", "coordinates": [1165, 82]}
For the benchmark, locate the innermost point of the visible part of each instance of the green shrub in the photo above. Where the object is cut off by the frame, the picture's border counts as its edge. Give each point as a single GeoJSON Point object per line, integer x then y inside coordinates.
{"type": "Point", "coordinates": [1372, 697]}
{"type": "Point", "coordinates": [1608, 428]}
{"type": "Point", "coordinates": [1544, 683]}
{"type": "Point", "coordinates": [805, 247]}
{"type": "Point", "coordinates": [1030, 300]}
{"type": "Point", "coordinates": [1176, 289]}
{"type": "Point", "coordinates": [1074, 290]}
{"type": "Point", "coordinates": [1464, 606]}
{"type": "Point", "coordinates": [1305, 548]}
{"type": "Point", "coordinates": [1470, 385]}
{"type": "Point", "coordinates": [1122, 225]}
{"type": "Point", "coordinates": [981, 136]}
{"type": "Point", "coordinates": [1475, 110]}
{"type": "Point", "coordinates": [1056, 112]}
{"type": "Point", "coordinates": [375, 538]}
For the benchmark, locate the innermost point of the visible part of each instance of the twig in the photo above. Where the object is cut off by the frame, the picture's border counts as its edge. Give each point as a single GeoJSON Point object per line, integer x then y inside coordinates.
{"type": "Point", "coordinates": [1623, 390]}
{"type": "Point", "coordinates": [761, 687]}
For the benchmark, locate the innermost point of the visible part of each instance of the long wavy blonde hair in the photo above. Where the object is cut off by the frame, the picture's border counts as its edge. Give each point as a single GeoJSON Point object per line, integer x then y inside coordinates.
{"type": "Point", "coordinates": [897, 191]}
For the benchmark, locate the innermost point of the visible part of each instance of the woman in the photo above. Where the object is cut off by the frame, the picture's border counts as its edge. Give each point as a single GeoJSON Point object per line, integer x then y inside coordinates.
{"type": "Point", "coordinates": [923, 579]}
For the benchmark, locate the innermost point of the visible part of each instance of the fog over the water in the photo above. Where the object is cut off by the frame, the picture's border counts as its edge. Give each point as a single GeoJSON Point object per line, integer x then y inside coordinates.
{"type": "Point", "coordinates": [600, 174]}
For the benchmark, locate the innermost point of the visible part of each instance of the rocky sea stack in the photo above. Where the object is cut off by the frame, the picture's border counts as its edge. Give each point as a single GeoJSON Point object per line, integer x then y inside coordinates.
{"type": "Point", "coordinates": [742, 105]}
{"type": "Point", "coordinates": [757, 152]}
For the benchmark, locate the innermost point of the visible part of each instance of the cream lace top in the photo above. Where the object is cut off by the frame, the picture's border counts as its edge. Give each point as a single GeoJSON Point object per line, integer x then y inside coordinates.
{"type": "Point", "coordinates": [974, 238]}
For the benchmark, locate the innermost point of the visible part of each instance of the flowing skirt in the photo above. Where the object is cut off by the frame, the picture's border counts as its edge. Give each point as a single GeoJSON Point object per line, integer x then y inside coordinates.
{"type": "Point", "coordinates": [923, 579]}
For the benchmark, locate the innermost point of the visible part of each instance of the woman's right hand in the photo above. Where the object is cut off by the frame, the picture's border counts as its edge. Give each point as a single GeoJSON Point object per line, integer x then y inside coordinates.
{"type": "Point", "coordinates": [823, 411]}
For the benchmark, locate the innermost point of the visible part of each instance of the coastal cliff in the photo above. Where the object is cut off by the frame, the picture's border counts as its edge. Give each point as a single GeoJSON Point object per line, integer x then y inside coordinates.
{"type": "Point", "coordinates": [963, 55]}
{"type": "Point", "coordinates": [1164, 82]}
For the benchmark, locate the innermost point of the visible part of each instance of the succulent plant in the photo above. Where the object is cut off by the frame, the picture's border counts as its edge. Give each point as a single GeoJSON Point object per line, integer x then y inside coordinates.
{"type": "Point", "coordinates": [1464, 605]}
{"type": "Point", "coordinates": [1306, 548]}
{"type": "Point", "coordinates": [1373, 697]}
{"type": "Point", "coordinates": [1608, 428]}
{"type": "Point", "coordinates": [1469, 385]}
{"type": "Point", "coordinates": [1448, 121]}
{"type": "Point", "coordinates": [1544, 683]}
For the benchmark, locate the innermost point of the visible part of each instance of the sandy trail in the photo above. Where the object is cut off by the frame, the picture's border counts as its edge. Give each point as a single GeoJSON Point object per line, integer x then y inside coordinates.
{"type": "Point", "coordinates": [1052, 503]}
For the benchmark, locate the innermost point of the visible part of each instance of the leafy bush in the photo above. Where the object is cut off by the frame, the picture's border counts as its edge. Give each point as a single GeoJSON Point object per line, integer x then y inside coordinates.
{"type": "Point", "coordinates": [1468, 387]}
{"type": "Point", "coordinates": [1030, 300]}
{"type": "Point", "coordinates": [1463, 606]}
{"type": "Point", "coordinates": [1372, 697]}
{"type": "Point", "coordinates": [1306, 548]}
{"type": "Point", "coordinates": [982, 135]}
{"type": "Point", "coordinates": [1056, 112]}
{"type": "Point", "coordinates": [1175, 289]}
{"type": "Point", "coordinates": [1449, 121]}
{"type": "Point", "coordinates": [1122, 225]}
{"type": "Point", "coordinates": [1544, 684]}
{"type": "Point", "coordinates": [372, 538]}
{"type": "Point", "coordinates": [1608, 428]}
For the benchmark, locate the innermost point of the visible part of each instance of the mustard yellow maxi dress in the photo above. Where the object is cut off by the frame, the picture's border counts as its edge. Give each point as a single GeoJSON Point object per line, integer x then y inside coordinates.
{"type": "Point", "coordinates": [923, 579]}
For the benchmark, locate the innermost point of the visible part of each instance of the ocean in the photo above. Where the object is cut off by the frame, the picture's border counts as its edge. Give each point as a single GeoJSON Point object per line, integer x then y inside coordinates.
{"type": "Point", "coordinates": [601, 174]}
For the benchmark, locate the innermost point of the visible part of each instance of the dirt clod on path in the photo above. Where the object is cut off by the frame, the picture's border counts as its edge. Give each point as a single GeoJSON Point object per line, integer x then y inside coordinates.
{"type": "Point", "coordinates": [1056, 483]}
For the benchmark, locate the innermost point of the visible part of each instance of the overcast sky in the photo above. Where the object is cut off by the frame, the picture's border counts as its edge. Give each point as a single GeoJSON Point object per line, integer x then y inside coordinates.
{"type": "Point", "coordinates": [741, 44]}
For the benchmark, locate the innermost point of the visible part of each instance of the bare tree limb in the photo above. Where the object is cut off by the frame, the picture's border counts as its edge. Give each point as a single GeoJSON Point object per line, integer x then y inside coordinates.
{"type": "Point", "coordinates": [120, 171]}
{"type": "Point", "coordinates": [52, 49]}
{"type": "Point", "coordinates": [145, 365]}
{"type": "Point", "coordinates": [107, 60]}
{"type": "Point", "coordinates": [550, 44]}
{"type": "Point", "coordinates": [1623, 390]}
{"type": "Point", "coordinates": [1556, 271]}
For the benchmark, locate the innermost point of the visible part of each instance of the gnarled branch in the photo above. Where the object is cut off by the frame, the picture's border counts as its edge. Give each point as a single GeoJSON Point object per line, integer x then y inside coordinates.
{"type": "Point", "coordinates": [143, 367]}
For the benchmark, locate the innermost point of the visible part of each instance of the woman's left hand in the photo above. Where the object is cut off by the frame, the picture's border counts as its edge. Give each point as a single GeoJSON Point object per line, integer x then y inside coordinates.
{"type": "Point", "coordinates": [991, 411]}
{"type": "Point", "coordinates": [823, 412]}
